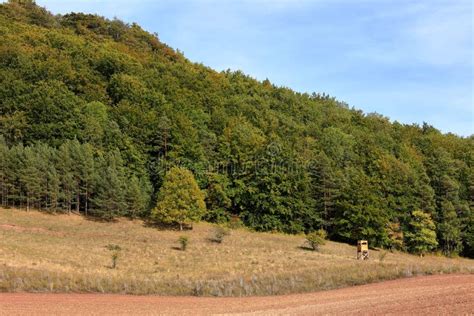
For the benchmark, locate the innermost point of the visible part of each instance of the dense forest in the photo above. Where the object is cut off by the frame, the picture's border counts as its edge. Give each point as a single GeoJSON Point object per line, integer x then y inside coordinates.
{"type": "Point", "coordinates": [93, 112]}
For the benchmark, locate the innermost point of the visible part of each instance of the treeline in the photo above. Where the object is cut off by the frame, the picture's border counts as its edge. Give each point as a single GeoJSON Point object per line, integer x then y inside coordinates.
{"type": "Point", "coordinates": [70, 178]}
{"type": "Point", "coordinates": [119, 108]}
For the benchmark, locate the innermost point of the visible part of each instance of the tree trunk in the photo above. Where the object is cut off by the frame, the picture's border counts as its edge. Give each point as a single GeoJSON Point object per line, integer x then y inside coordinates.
{"type": "Point", "coordinates": [85, 206]}
{"type": "Point", "coordinates": [78, 197]}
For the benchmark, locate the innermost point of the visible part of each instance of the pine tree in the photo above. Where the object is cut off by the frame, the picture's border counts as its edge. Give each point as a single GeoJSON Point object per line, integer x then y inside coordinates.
{"type": "Point", "coordinates": [4, 151]}
{"type": "Point", "coordinates": [137, 196]}
{"type": "Point", "coordinates": [45, 163]}
{"type": "Point", "coordinates": [109, 201]}
{"type": "Point", "coordinates": [65, 168]}
{"type": "Point", "coordinates": [84, 173]}
{"type": "Point", "coordinates": [30, 177]}
{"type": "Point", "coordinates": [14, 165]}
{"type": "Point", "coordinates": [53, 188]}
{"type": "Point", "coordinates": [180, 200]}
{"type": "Point", "coordinates": [77, 169]}
{"type": "Point", "coordinates": [88, 175]}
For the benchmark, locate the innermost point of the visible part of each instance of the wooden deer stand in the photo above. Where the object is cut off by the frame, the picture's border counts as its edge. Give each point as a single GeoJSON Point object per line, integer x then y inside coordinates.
{"type": "Point", "coordinates": [362, 250]}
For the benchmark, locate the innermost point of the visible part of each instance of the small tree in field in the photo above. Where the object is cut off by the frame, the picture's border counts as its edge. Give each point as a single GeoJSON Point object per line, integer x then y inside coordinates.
{"type": "Point", "coordinates": [180, 201]}
{"type": "Point", "coordinates": [316, 239]}
{"type": "Point", "coordinates": [219, 233]}
{"type": "Point", "coordinates": [422, 235]}
{"type": "Point", "coordinates": [183, 242]}
{"type": "Point", "coordinates": [114, 254]}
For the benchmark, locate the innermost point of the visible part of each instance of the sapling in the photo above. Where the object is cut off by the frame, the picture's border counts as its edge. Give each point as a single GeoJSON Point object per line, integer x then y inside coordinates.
{"type": "Point", "coordinates": [183, 241]}
{"type": "Point", "coordinates": [115, 252]}
{"type": "Point", "coordinates": [316, 239]}
{"type": "Point", "coordinates": [219, 233]}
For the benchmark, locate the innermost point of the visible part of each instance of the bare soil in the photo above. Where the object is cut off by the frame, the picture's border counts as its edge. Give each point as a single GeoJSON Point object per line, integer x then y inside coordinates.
{"type": "Point", "coordinates": [437, 294]}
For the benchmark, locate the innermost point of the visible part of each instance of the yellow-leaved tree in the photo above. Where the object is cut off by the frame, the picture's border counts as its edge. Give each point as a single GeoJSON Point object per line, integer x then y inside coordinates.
{"type": "Point", "coordinates": [180, 201]}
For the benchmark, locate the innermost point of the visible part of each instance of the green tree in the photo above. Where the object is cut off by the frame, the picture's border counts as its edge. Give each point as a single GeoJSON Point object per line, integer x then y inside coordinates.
{"type": "Point", "coordinates": [325, 189]}
{"type": "Point", "coordinates": [77, 89]}
{"type": "Point", "coordinates": [87, 174]}
{"type": "Point", "coordinates": [468, 234]}
{"type": "Point", "coordinates": [4, 152]}
{"type": "Point", "coordinates": [360, 213]}
{"type": "Point", "coordinates": [218, 202]}
{"type": "Point", "coordinates": [180, 200]}
{"type": "Point", "coordinates": [13, 166]}
{"type": "Point", "coordinates": [30, 177]}
{"type": "Point", "coordinates": [53, 186]}
{"type": "Point", "coordinates": [395, 235]}
{"type": "Point", "coordinates": [137, 196]}
{"type": "Point", "coordinates": [94, 122]}
{"type": "Point", "coordinates": [66, 167]}
{"type": "Point", "coordinates": [109, 200]}
{"type": "Point", "coordinates": [450, 230]}
{"type": "Point", "coordinates": [421, 238]}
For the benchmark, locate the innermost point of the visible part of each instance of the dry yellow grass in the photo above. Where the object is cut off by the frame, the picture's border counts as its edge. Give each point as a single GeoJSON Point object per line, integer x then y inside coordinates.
{"type": "Point", "coordinates": [41, 252]}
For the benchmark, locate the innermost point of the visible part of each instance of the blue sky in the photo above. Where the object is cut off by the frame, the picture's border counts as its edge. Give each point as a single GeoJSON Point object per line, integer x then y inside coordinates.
{"type": "Point", "coordinates": [409, 60]}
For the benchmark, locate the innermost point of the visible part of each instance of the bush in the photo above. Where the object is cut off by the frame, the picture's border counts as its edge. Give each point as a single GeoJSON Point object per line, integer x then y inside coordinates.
{"type": "Point", "coordinates": [219, 233]}
{"type": "Point", "coordinates": [183, 241]}
{"type": "Point", "coordinates": [115, 252]}
{"type": "Point", "coordinates": [316, 239]}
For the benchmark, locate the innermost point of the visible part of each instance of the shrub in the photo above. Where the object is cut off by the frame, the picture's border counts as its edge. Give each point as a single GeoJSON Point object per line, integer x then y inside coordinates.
{"type": "Point", "coordinates": [219, 233]}
{"type": "Point", "coordinates": [316, 239]}
{"type": "Point", "coordinates": [115, 252]}
{"type": "Point", "coordinates": [183, 241]}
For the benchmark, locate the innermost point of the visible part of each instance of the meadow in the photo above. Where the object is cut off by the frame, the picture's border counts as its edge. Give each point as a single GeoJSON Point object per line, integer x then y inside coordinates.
{"type": "Point", "coordinates": [42, 252]}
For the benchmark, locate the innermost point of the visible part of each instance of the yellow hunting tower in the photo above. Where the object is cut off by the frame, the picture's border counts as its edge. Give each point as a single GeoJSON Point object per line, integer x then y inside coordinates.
{"type": "Point", "coordinates": [362, 250]}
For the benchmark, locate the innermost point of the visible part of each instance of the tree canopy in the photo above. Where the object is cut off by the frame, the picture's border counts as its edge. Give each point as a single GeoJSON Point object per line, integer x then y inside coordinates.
{"type": "Point", "coordinates": [180, 200]}
{"type": "Point", "coordinates": [93, 112]}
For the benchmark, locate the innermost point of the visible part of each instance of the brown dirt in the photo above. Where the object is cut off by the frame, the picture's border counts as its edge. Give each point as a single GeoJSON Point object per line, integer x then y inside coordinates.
{"type": "Point", "coordinates": [439, 294]}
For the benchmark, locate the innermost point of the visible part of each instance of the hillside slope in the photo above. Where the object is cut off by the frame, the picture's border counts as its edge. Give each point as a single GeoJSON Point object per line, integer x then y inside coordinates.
{"type": "Point", "coordinates": [68, 253]}
{"type": "Point", "coordinates": [93, 112]}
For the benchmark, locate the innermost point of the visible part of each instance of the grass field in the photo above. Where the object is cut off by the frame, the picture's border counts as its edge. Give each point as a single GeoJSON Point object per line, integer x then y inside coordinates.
{"type": "Point", "coordinates": [67, 253]}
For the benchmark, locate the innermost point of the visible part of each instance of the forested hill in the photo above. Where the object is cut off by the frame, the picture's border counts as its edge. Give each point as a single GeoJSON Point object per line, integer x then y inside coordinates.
{"type": "Point", "coordinates": [93, 112]}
